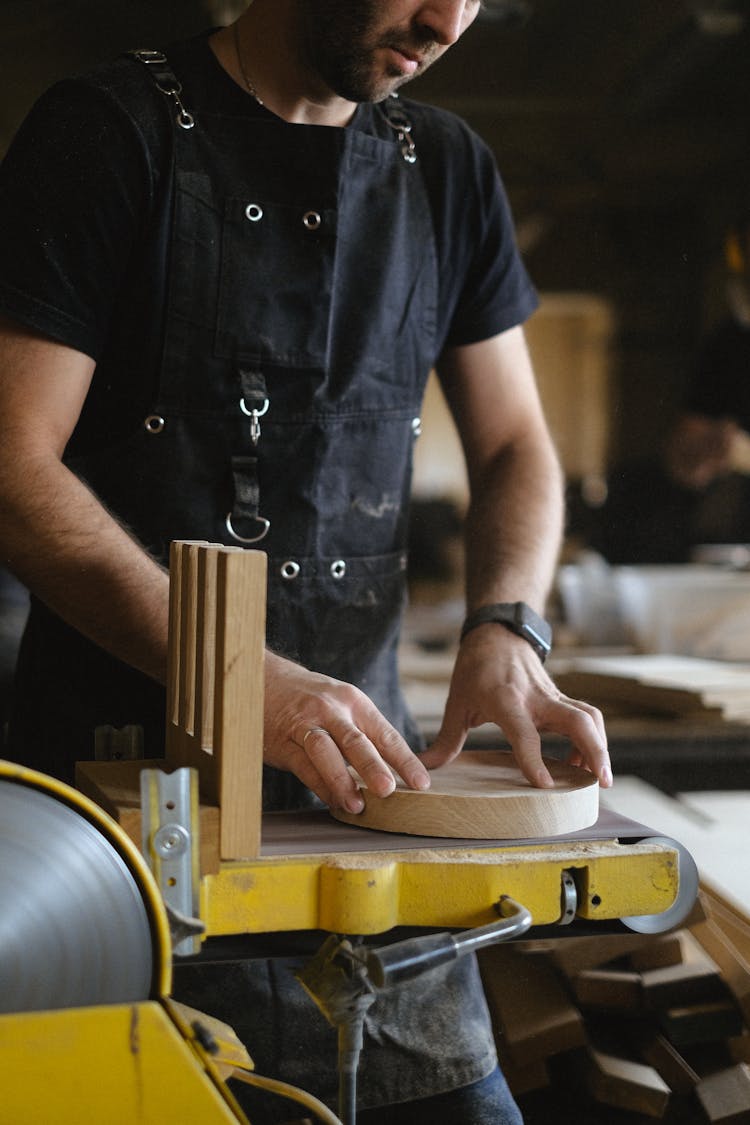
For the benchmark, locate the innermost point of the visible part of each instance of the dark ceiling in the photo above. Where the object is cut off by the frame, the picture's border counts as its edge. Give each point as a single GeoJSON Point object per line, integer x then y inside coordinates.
{"type": "Point", "coordinates": [609, 100]}
{"type": "Point", "coordinates": [580, 97]}
{"type": "Point", "coordinates": [622, 129]}
{"type": "Point", "coordinates": [584, 100]}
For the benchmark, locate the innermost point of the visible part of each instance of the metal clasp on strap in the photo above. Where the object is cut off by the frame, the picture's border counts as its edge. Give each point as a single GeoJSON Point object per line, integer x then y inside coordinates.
{"type": "Point", "coordinates": [254, 413]}
{"type": "Point", "coordinates": [399, 121]}
{"type": "Point", "coordinates": [166, 81]}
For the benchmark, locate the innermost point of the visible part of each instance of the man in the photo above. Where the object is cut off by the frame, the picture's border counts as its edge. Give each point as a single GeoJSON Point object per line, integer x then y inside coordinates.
{"type": "Point", "coordinates": [695, 491]}
{"type": "Point", "coordinates": [223, 293]}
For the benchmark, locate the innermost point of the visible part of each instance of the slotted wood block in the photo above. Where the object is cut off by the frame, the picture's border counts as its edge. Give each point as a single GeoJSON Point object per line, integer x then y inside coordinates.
{"type": "Point", "coordinates": [483, 795]}
{"type": "Point", "coordinates": [214, 709]}
{"type": "Point", "coordinates": [215, 682]}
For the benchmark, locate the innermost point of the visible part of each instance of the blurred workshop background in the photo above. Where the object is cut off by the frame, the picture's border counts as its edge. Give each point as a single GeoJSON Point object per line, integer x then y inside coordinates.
{"type": "Point", "coordinates": [622, 132]}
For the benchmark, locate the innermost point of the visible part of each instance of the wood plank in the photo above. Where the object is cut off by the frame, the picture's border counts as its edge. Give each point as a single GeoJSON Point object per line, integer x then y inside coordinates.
{"type": "Point", "coordinates": [725, 1096]}
{"type": "Point", "coordinates": [696, 980]}
{"type": "Point", "coordinates": [734, 967]}
{"type": "Point", "coordinates": [661, 683]}
{"type": "Point", "coordinates": [238, 706]}
{"type": "Point", "coordinates": [205, 641]}
{"type": "Point", "coordinates": [739, 1047]}
{"type": "Point", "coordinates": [609, 990]}
{"type": "Point", "coordinates": [483, 795]}
{"type": "Point", "coordinates": [574, 954]}
{"type": "Point", "coordinates": [664, 1057]}
{"type": "Point", "coordinates": [530, 1006]}
{"type": "Point", "coordinates": [626, 1084]}
{"type": "Point", "coordinates": [701, 1023]}
{"type": "Point", "coordinates": [658, 953]}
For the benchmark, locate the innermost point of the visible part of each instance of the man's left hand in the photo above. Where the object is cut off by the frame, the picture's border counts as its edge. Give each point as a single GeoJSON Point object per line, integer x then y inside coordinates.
{"type": "Point", "coordinates": [498, 678]}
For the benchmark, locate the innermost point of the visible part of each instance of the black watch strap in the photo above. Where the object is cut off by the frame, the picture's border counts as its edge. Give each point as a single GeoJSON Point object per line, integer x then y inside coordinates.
{"type": "Point", "coordinates": [519, 618]}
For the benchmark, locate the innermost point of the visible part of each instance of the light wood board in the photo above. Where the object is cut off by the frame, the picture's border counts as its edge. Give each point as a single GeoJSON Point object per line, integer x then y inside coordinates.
{"type": "Point", "coordinates": [660, 684]}
{"type": "Point", "coordinates": [483, 795]}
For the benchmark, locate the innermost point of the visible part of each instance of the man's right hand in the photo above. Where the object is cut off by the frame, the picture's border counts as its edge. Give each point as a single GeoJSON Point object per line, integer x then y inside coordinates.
{"type": "Point", "coordinates": [316, 727]}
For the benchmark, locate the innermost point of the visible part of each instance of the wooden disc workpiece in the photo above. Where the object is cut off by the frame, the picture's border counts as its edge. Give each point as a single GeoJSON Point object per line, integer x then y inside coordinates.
{"type": "Point", "coordinates": [483, 795]}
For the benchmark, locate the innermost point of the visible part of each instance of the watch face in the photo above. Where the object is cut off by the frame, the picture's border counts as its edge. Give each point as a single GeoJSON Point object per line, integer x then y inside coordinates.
{"type": "Point", "coordinates": [534, 628]}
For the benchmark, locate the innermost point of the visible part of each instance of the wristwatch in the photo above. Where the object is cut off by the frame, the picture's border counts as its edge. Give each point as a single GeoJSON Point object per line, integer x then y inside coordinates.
{"type": "Point", "coordinates": [519, 618]}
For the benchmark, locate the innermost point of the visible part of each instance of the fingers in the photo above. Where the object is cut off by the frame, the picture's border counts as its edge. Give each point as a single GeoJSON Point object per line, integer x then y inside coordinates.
{"type": "Point", "coordinates": [584, 727]}
{"type": "Point", "coordinates": [522, 721]}
{"type": "Point", "coordinates": [526, 744]}
{"type": "Point", "coordinates": [318, 728]}
{"type": "Point", "coordinates": [332, 749]}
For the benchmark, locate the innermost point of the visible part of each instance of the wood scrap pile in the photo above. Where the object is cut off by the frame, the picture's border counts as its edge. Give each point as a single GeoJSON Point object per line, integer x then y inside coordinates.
{"type": "Point", "coordinates": [684, 686]}
{"type": "Point", "coordinates": [628, 1027]}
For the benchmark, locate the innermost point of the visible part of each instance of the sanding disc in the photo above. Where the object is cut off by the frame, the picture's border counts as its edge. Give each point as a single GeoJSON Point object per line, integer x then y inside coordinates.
{"type": "Point", "coordinates": [74, 928]}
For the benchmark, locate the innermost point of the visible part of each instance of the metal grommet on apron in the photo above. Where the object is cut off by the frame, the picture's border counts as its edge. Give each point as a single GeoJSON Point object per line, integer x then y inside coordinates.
{"type": "Point", "coordinates": [338, 568]}
{"type": "Point", "coordinates": [254, 212]}
{"type": "Point", "coordinates": [289, 570]}
{"type": "Point", "coordinates": [416, 427]}
{"type": "Point", "coordinates": [312, 220]}
{"type": "Point", "coordinates": [154, 424]}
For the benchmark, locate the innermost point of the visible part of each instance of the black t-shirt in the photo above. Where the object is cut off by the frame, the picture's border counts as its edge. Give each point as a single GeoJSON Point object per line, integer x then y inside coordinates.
{"type": "Point", "coordinates": [85, 193]}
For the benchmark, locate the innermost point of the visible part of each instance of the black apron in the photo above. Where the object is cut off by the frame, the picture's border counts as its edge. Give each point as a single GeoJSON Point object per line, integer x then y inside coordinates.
{"type": "Point", "coordinates": [300, 330]}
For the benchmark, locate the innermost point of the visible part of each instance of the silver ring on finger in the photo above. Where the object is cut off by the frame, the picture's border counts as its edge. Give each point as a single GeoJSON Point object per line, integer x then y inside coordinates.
{"type": "Point", "coordinates": [314, 730]}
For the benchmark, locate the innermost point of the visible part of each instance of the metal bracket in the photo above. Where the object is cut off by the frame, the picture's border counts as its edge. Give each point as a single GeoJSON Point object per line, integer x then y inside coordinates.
{"type": "Point", "coordinates": [170, 844]}
{"type": "Point", "coordinates": [568, 899]}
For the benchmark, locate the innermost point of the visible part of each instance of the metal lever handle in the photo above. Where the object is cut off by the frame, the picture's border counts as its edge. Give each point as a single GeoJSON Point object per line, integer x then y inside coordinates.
{"type": "Point", "coordinates": [407, 959]}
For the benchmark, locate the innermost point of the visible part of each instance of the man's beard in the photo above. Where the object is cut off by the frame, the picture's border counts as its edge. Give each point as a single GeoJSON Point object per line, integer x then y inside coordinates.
{"type": "Point", "coordinates": [341, 42]}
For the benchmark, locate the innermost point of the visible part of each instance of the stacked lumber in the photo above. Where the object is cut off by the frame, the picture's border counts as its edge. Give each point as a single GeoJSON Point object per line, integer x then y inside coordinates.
{"type": "Point", "coordinates": [628, 1027]}
{"type": "Point", "coordinates": [659, 684]}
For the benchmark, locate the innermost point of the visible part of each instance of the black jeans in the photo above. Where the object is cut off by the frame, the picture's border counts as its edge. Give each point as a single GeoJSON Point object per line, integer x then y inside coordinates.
{"type": "Point", "coordinates": [487, 1102]}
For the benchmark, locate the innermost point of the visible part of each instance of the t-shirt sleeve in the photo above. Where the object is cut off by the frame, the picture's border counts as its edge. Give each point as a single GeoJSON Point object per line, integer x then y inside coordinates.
{"type": "Point", "coordinates": [74, 186]}
{"type": "Point", "coordinates": [485, 288]}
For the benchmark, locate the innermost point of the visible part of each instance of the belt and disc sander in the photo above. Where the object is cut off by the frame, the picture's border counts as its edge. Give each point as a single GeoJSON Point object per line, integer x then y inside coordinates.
{"type": "Point", "coordinates": [80, 922]}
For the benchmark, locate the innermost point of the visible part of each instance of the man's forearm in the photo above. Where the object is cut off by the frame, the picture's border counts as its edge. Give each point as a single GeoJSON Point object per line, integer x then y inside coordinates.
{"type": "Point", "coordinates": [514, 528]}
{"type": "Point", "coordinates": [71, 553]}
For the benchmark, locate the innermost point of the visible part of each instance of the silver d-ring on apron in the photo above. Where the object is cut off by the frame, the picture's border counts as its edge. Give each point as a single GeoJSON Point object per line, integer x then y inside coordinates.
{"type": "Point", "coordinates": [244, 539]}
{"type": "Point", "coordinates": [253, 412]}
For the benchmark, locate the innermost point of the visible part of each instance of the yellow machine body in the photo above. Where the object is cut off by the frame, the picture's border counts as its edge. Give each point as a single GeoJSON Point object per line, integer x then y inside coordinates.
{"type": "Point", "coordinates": [119, 1065]}
{"type": "Point", "coordinates": [147, 1062]}
{"type": "Point", "coordinates": [142, 1063]}
{"type": "Point", "coordinates": [371, 893]}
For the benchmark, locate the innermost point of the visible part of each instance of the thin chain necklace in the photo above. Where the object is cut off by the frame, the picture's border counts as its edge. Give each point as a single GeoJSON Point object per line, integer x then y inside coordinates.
{"type": "Point", "coordinates": [245, 77]}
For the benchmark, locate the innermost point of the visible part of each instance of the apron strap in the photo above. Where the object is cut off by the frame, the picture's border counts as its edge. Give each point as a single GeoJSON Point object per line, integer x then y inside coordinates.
{"type": "Point", "coordinates": [244, 515]}
{"type": "Point", "coordinates": [400, 122]}
{"type": "Point", "coordinates": [166, 81]}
